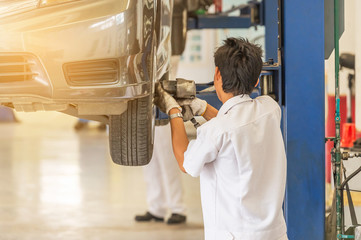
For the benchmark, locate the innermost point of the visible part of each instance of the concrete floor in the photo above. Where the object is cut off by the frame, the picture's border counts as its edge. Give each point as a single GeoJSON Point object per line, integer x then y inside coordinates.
{"type": "Point", "coordinates": [59, 184]}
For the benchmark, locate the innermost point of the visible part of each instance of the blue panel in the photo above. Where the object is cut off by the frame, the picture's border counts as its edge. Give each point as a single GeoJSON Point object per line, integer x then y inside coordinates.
{"type": "Point", "coordinates": [212, 99]}
{"type": "Point", "coordinates": [303, 28]}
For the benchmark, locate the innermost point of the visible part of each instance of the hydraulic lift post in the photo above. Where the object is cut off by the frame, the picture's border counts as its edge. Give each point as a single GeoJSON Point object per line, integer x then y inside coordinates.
{"type": "Point", "coordinates": [295, 52]}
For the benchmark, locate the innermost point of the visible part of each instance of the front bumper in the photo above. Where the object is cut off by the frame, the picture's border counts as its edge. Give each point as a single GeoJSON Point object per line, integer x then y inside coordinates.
{"type": "Point", "coordinates": [76, 33]}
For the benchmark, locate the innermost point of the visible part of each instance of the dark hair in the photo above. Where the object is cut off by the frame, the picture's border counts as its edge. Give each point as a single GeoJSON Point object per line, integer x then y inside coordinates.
{"type": "Point", "coordinates": [240, 64]}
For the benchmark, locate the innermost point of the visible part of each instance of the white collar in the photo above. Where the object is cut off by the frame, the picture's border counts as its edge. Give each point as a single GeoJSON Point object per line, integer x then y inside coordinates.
{"type": "Point", "coordinates": [232, 102]}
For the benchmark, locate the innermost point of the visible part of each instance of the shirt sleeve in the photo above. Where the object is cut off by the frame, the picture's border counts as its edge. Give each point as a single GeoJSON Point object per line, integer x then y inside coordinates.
{"type": "Point", "coordinates": [199, 152]}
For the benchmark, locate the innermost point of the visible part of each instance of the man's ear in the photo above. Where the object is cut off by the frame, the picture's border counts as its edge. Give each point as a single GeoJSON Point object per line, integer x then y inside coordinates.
{"type": "Point", "coordinates": [218, 75]}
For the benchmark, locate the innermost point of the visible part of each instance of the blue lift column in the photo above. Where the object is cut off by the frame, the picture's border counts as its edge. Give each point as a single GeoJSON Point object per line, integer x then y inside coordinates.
{"type": "Point", "coordinates": [298, 73]}
{"type": "Point", "coordinates": [304, 116]}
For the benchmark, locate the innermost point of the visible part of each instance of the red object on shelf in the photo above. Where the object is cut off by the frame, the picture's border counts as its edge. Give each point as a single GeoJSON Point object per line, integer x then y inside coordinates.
{"type": "Point", "coordinates": [330, 126]}
{"type": "Point", "coordinates": [218, 6]}
{"type": "Point", "coordinates": [348, 135]}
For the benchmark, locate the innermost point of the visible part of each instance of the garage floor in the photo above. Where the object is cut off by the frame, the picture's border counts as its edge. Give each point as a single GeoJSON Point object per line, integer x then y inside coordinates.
{"type": "Point", "coordinates": [56, 183]}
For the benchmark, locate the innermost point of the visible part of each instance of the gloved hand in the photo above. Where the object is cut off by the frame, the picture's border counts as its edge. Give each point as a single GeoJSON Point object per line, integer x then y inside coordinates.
{"type": "Point", "coordinates": [197, 105]}
{"type": "Point", "coordinates": [163, 100]}
{"type": "Point", "coordinates": [187, 113]}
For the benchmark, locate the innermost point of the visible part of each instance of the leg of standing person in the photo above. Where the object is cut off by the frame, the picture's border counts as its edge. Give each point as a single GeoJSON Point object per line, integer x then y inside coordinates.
{"type": "Point", "coordinates": [164, 186]}
{"type": "Point", "coordinates": [156, 198]}
{"type": "Point", "coordinates": [171, 177]}
{"type": "Point", "coordinates": [170, 171]}
{"type": "Point", "coordinates": [162, 176]}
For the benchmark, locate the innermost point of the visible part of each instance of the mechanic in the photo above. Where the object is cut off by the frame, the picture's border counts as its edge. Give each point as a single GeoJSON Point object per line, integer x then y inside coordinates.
{"type": "Point", "coordinates": [162, 177]}
{"type": "Point", "coordinates": [239, 153]}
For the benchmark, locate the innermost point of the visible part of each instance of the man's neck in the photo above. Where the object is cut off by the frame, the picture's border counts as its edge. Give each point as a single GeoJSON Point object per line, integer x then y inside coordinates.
{"type": "Point", "coordinates": [226, 96]}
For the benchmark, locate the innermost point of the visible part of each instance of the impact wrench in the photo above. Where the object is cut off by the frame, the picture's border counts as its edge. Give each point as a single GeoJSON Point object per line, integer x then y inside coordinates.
{"type": "Point", "coordinates": [182, 89]}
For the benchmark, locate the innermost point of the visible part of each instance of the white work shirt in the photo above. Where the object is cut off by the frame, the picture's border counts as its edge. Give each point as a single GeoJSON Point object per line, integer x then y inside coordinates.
{"type": "Point", "coordinates": [241, 160]}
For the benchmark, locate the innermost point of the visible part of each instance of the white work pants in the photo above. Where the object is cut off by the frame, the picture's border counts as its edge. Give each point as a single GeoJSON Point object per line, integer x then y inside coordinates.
{"type": "Point", "coordinates": [162, 176]}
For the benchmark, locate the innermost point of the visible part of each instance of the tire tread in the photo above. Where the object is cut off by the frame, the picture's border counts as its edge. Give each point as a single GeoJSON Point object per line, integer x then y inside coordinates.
{"type": "Point", "coordinates": [130, 134]}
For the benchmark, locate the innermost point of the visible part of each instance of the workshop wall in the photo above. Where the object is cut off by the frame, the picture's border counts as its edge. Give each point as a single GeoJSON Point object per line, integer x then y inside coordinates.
{"type": "Point", "coordinates": [357, 8]}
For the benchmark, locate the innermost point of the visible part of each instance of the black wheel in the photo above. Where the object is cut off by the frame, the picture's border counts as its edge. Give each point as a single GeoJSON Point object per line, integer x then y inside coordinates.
{"type": "Point", "coordinates": [130, 134]}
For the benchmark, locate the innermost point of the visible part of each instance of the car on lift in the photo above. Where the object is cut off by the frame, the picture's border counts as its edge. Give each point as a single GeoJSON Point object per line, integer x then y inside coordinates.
{"type": "Point", "coordinates": [93, 59]}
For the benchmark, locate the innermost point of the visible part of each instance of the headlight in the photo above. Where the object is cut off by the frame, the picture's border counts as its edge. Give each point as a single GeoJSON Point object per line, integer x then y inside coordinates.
{"type": "Point", "coordinates": [44, 3]}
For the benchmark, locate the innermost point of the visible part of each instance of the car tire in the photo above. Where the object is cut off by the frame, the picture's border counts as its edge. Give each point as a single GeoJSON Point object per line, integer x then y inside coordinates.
{"type": "Point", "coordinates": [131, 132]}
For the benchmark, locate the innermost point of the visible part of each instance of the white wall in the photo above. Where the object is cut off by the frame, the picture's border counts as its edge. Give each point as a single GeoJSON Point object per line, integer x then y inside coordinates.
{"type": "Point", "coordinates": [348, 41]}
{"type": "Point", "coordinates": [197, 60]}
{"type": "Point", "coordinates": [357, 9]}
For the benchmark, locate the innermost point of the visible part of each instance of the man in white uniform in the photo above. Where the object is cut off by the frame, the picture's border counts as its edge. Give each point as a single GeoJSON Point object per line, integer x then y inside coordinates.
{"type": "Point", "coordinates": [162, 177]}
{"type": "Point", "coordinates": [239, 153]}
{"type": "Point", "coordinates": [163, 180]}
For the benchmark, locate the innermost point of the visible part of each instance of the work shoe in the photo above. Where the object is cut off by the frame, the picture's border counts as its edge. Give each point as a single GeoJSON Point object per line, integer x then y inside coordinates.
{"type": "Point", "coordinates": [147, 217]}
{"type": "Point", "coordinates": [176, 219]}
